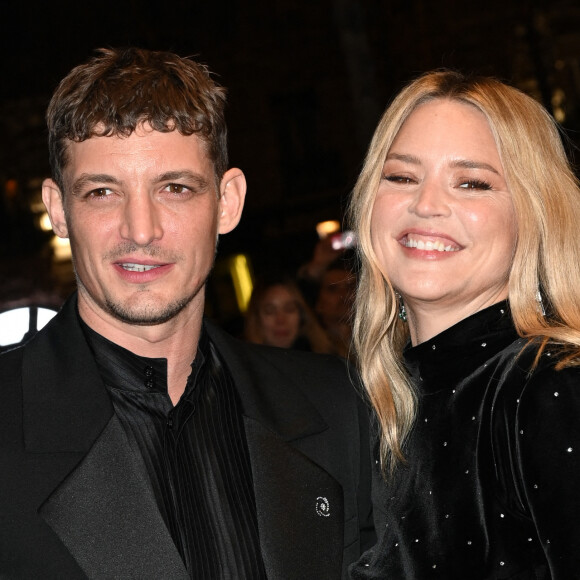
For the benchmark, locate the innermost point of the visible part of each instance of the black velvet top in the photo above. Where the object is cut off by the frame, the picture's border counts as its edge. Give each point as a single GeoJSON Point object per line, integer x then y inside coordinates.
{"type": "Point", "coordinates": [491, 488]}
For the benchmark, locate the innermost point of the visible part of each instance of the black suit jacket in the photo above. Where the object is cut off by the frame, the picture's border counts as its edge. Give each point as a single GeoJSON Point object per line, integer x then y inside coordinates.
{"type": "Point", "coordinates": [75, 501]}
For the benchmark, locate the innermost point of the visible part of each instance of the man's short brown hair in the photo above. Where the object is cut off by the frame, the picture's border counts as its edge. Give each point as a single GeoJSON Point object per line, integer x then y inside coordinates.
{"type": "Point", "coordinates": [119, 89]}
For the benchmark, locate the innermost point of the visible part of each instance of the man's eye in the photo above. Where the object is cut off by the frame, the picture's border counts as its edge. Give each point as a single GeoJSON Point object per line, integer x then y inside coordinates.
{"type": "Point", "coordinates": [177, 188]}
{"type": "Point", "coordinates": [100, 192]}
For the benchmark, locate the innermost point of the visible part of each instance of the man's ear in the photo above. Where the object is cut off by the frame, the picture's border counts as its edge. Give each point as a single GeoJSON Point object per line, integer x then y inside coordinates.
{"type": "Point", "coordinates": [52, 198]}
{"type": "Point", "coordinates": [231, 202]}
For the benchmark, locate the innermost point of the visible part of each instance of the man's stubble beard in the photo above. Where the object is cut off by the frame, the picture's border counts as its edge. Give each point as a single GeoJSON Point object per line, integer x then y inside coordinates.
{"type": "Point", "coordinates": [147, 315]}
{"type": "Point", "coordinates": [143, 314]}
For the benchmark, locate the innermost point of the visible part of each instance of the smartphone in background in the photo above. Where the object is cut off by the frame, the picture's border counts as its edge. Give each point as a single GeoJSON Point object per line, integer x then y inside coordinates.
{"type": "Point", "coordinates": [343, 240]}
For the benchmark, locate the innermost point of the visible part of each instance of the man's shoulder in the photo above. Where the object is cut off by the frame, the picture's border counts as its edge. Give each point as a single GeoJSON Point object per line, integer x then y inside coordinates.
{"type": "Point", "coordinates": [285, 358]}
{"type": "Point", "coordinates": [10, 362]}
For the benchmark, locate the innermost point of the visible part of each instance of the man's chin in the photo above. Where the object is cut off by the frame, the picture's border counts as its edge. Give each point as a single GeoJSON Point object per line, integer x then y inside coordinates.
{"type": "Point", "coordinates": [146, 315]}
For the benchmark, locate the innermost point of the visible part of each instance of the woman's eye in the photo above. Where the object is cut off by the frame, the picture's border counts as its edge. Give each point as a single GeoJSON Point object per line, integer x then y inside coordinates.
{"type": "Point", "coordinates": [475, 184]}
{"type": "Point", "coordinates": [402, 179]}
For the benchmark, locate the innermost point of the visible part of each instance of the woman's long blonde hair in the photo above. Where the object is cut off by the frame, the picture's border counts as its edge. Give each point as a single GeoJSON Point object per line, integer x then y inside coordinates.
{"type": "Point", "coordinates": [546, 198]}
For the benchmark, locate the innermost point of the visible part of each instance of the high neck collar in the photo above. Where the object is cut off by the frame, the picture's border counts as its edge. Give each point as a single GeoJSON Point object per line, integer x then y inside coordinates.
{"type": "Point", "coordinates": [453, 354]}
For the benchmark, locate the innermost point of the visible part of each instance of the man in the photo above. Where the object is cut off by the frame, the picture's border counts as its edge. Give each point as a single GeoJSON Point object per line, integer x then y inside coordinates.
{"type": "Point", "coordinates": [138, 440]}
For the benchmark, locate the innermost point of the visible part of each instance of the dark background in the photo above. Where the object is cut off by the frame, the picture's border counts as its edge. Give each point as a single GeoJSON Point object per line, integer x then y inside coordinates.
{"type": "Point", "coordinates": [307, 83]}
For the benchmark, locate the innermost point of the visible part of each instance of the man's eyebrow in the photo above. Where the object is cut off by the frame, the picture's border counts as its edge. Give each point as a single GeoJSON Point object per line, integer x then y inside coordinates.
{"type": "Point", "coordinates": [469, 164]}
{"type": "Point", "coordinates": [199, 180]}
{"type": "Point", "coordinates": [86, 179]}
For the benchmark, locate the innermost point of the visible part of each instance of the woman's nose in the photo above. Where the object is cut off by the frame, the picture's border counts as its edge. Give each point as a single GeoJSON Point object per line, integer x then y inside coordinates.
{"type": "Point", "coordinates": [431, 200]}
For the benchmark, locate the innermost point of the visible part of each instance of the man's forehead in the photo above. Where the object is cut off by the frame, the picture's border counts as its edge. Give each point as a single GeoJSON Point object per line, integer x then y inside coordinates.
{"type": "Point", "coordinates": [141, 149]}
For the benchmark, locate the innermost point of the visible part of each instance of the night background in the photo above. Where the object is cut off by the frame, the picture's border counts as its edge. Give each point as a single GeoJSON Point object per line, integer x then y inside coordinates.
{"type": "Point", "coordinates": [307, 83]}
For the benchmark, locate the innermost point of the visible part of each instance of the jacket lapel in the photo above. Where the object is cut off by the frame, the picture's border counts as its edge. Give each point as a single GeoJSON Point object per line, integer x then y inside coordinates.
{"type": "Point", "coordinates": [106, 515]}
{"type": "Point", "coordinates": [299, 504]}
{"type": "Point", "coordinates": [65, 403]}
{"type": "Point", "coordinates": [100, 504]}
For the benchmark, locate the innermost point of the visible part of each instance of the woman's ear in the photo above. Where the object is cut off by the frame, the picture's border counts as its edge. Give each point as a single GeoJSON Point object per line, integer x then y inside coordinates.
{"type": "Point", "coordinates": [231, 201]}
{"type": "Point", "coordinates": [52, 198]}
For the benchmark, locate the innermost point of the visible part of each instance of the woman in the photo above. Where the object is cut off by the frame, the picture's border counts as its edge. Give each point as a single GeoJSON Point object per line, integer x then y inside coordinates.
{"type": "Point", "coordinates": [278, 316]}
{"type": "Point", "coordinates": [467, 330]}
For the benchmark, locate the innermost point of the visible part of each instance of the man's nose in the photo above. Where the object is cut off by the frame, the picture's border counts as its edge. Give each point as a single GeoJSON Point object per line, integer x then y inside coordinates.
{"type": "Point", "coordinates": [141, 221]}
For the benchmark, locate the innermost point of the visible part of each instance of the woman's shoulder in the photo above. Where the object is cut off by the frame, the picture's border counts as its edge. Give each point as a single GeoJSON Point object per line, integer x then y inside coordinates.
{"type": "Point", "coordinates": [533, 390]}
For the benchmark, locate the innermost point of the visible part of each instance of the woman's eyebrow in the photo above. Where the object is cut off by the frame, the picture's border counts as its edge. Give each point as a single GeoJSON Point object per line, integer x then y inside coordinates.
{"type": "Point", "coordinates": [469, 164]}
{"type": "Point", "coordinates": [404, 157]}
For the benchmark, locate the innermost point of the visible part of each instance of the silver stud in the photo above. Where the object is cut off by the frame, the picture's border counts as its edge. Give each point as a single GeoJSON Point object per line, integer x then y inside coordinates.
{"type": "Point", "coordinates": [484, 344]}
{"type": "Point", "coordinates": [501, 516]}
{"type": "Point", "coordinates": [416, 540]}
{"type": "Point", "coordinates": [502, 311]}
{"type": "Point", "coordinates": [444, 443]}
{"type": "Point", "coordinates": [473, 418]}
{"type": "Point", "coordinates": [502, 563]}
{"type": "Point", "coordinates": [466, 471]}
{"type": "Point", "coordinates": [453, 391]}
{"type": "Point", "coordinates": [535, 486]}
{"type": "Point", "coordinates": [529, 539]}
{"type": "Point", "coordinates": [569, 450]}
{"type": "Point", "coordinates": [446, 516]}
{"type": "Point", "coordinates": [469, 542]}
{"type": "Point", "coordinates": [434, 566]}
{"type": "Point", "coordinates": [521, 431]}
{"type": "Point", "coordinates": [556, 394]}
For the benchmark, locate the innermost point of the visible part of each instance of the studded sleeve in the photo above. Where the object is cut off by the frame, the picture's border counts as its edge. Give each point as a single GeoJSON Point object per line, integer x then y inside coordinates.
{"type": "Point", "coordinates": [548, 455]}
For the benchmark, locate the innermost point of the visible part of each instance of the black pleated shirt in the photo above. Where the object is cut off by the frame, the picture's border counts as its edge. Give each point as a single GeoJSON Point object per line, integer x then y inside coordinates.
{"type": "Point", "coordinates": [195, 454]}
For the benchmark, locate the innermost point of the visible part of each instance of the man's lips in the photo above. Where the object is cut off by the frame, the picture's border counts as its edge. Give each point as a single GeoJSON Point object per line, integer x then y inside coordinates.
{"type": "Point", "coordinates": [429, 243]}
{"type": "Point", "coordinates": [135, 267]}
{"type": "Point", "coordinates": [140, 270]}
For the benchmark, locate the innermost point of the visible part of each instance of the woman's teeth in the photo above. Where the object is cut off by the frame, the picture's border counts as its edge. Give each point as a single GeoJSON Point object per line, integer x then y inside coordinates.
{"type": "Point", "coordinates": [429, 245]}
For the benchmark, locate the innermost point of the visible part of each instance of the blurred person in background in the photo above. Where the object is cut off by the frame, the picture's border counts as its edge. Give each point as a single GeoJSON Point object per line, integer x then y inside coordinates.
{"type": "Point", "coordinates": [279, 316]}
{"type": "Point", "coordinates": [328, 283]}
{"type": "Point", "coordinates": [334, 304]}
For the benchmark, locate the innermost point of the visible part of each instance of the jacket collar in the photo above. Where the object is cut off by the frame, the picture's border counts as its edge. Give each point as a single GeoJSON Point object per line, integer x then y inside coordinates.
{"type": "Point", "coordinates": [269, 395]}
{"type": "Point", "coordinates": [66, 405]}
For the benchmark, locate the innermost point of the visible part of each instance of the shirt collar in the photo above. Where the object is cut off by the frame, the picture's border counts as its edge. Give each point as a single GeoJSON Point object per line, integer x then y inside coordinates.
{"type": "Point", "coordinates": [126, 370]}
